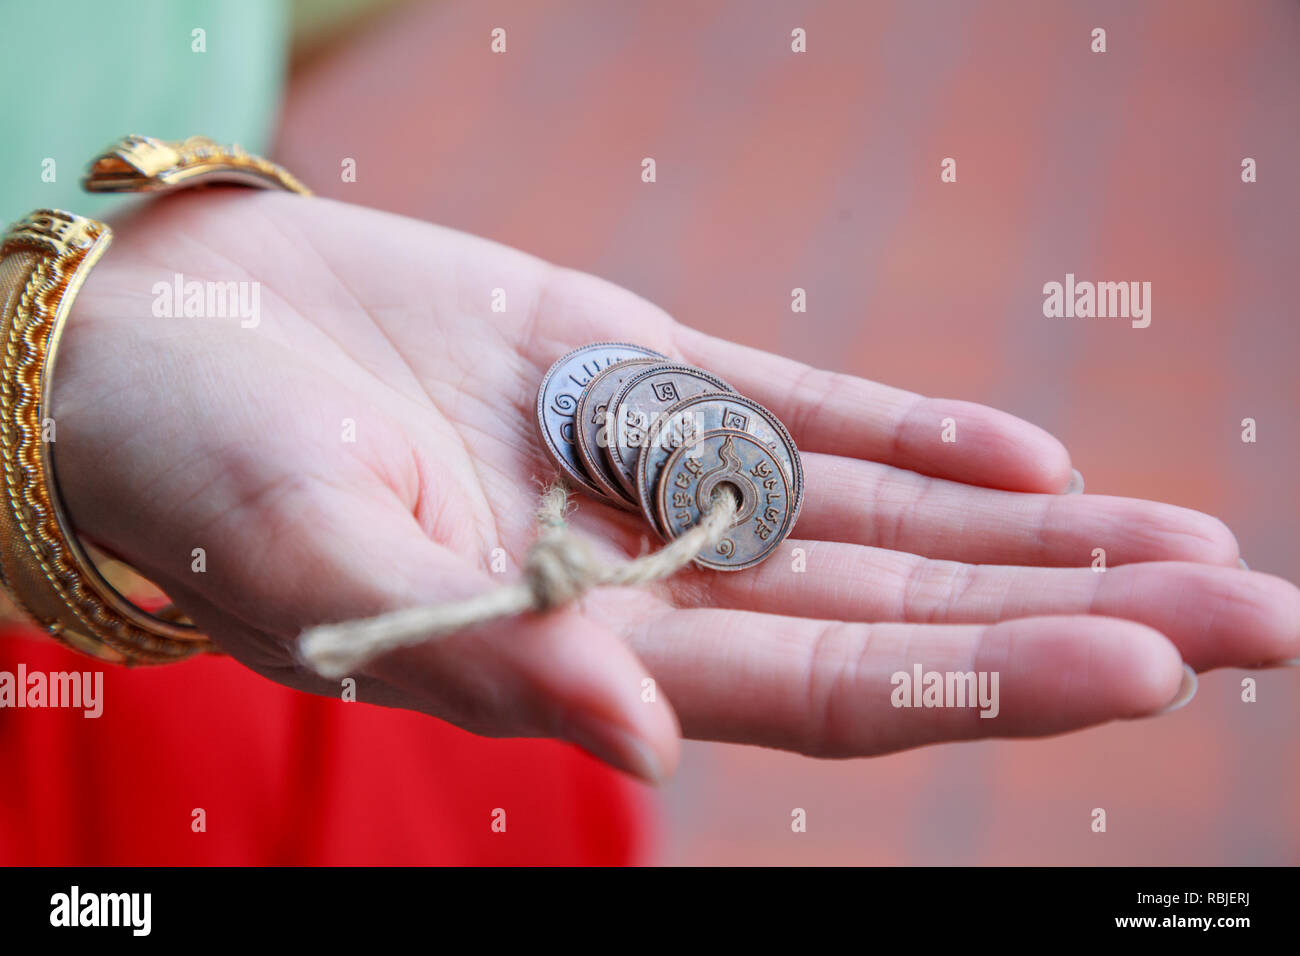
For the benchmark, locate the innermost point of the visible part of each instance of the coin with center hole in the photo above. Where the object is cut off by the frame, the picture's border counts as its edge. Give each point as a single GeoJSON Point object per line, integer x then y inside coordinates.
{"type": "Point", "coordinates": [702, 413]}
{"type": "Point", "coordinates": [640, 403]}
{"type": "Point", "coordinates": [726, 460]}
{"type": "Point", "coordinates": [557, 400]}
{"type": "Point", "coordinates": [590, 425]}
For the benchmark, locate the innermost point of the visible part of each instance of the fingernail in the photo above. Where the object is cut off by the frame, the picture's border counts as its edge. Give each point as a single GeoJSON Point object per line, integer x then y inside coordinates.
{"type": "Point", "coordinates": [1270, 665]}
{"type": "Point", "coordinates": [616, 747]}
{"type": "Point", "coordinates": [1244, 565]}
{"type": "Point", "coordinates": [1186, 691]}
{"type": "Point", "coordinates": [1075, 487]}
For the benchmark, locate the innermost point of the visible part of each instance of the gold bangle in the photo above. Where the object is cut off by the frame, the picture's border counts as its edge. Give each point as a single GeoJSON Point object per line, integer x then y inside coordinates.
{"type": "Point", "coordinates": [44, 259]}
{"type": "Point", "coordinates": [143, 164]}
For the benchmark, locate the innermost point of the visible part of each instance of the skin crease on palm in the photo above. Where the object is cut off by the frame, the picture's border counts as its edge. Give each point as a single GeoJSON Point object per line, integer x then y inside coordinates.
{"type": "Point", "coordinates": [178, 433]}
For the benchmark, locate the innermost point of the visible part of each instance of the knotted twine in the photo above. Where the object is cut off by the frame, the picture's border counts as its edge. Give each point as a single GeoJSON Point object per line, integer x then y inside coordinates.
{"type": "Point", "coordinates": [558, 570]}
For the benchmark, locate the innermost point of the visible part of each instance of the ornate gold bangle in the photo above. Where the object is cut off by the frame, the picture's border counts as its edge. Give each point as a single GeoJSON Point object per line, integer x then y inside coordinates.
{"type": "Point", "coordinates": [44, 259]}
{"type": "Point", "coordinates": [144, 164]}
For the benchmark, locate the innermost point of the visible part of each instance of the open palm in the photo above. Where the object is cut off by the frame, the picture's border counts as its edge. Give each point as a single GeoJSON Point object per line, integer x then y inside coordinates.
{"type": "Point", "coordinates": [371, 441]}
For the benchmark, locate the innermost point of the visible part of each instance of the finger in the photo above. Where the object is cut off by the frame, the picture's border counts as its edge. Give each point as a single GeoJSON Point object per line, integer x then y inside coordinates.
{"type": "Point", "coordinates": [1217, 617]}
{"type": "Point", "coordinates": [829, 688]}
{"type": "Point", "coordinates": [863, 502]}
{"type": "Point", "coordinates": [354, 554]}
{"type": "Point", "coordinates": [824, 411]}
{"type": "Point", "coordinates": [844, 415]}
{"type": "Point", "coordinates": [571, 677]}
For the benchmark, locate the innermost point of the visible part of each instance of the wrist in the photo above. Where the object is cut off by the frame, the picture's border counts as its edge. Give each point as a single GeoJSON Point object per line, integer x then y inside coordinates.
{"type": "Point", "coordinates": [87, 406]}
{"type": "Point", "coordinates": [47, 258]}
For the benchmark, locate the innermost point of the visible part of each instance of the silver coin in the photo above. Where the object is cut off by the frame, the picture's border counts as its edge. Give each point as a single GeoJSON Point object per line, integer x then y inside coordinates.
{"type": "Point", "coordinates": [557, 399]}
{"type": "Point", "coordinates": [590, 427]}
{"type": "Point", "coordinates": [703, 413]}
{"type": "Point", "coordinates": [727, 459]}
{"type": "Point", "coordinates": [639, 405]}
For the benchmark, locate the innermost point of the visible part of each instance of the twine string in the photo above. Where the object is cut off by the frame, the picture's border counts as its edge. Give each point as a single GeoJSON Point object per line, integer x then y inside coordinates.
{"type": "Point", "coordinates": [559, 569]}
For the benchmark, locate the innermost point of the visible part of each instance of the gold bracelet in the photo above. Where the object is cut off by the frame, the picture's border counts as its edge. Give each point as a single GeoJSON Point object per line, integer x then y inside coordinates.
{"type": "Point", "coordinates": [44, 259]}
{"type": "Point", "coordinates": [143, 164]}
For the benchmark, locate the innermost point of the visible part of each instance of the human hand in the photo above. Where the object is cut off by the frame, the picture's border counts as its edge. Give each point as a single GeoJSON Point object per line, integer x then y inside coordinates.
{"type": "Point", "coordinates": [183, 433]}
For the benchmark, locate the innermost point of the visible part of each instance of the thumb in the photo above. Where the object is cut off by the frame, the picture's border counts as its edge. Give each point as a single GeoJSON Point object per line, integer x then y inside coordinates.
{"type": "Point", "coordinates": [336, 555]}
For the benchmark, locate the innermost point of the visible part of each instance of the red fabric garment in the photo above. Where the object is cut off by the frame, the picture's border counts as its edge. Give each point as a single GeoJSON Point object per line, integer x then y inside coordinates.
{"type": "Point", "coordinates": [285, 778]}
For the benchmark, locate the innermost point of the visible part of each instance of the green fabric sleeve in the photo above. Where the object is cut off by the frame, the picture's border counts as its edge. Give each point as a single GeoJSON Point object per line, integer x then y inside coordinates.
{"type": "Point", "coordinates": [79, 74]}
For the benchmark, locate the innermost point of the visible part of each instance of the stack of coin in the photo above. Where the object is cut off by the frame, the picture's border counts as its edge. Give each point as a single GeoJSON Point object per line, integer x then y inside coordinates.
{"type": "Point", "coordinates": [641, 432]}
